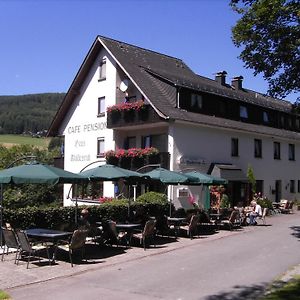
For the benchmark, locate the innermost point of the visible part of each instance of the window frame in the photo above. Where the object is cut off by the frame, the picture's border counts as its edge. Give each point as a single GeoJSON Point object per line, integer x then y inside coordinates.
{"type": "Point", "coordinates": [258, 151]}
{"type": "Point", "coordinates": [276, 150]}
{"type": "Point", "coordinates": [292, 152]}
{"type": "Point", "coordinates": [100, 112]}
{"type": "Point", "coordinates": [102, 69]}
{"type": "Point", "coordinates": [244, 112]}
{"type": "Point", "coordinates": [292, 186]}
{"type": "Point", "coordinates": [196, 101]}
{"type": "Point", "coordinates": [99, 141]}
{"type": "Point", "coordinates": [234, 147]}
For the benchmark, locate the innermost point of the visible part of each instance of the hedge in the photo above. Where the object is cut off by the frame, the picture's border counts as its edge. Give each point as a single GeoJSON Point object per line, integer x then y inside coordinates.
{"type": "Point", "coordinates": [64, 217]}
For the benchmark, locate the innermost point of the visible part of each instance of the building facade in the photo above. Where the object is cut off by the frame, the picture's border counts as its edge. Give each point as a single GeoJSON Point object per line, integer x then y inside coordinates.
{"type": "Point", "coordinates": [125, 97]}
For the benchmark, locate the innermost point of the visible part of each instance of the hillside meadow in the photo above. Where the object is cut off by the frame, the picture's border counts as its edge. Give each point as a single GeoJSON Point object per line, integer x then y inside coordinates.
{"type": "Point", "coordinates": [9, 140]}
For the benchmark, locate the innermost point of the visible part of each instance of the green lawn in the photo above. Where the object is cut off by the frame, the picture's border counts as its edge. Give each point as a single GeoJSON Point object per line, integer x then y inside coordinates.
{"type": "Point", "coordinates": [13, 139]}
{"type": "Point", "coordinates": [289, 291]}
{"type": "Point", "coordinates": [4, 296]}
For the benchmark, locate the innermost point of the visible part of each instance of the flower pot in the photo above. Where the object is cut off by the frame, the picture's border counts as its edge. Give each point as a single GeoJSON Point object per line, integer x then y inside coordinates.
{"type": "Point", "coordinates": [125, 163]}
{"type": "Point", "coordinates": [129, 115]}
{"type": "Point", "coordinates": [112, 160]}
{"type": "Point", "coordinates": [137, 162]}
{"type": "Point", "coordinates": [153, 159]}
{"type": "Point", "coordinates": [115, 116]}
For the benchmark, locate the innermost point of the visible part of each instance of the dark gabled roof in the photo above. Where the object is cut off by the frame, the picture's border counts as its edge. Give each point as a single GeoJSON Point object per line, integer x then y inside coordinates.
{"type": "Point", "coordinates": [157, 76]}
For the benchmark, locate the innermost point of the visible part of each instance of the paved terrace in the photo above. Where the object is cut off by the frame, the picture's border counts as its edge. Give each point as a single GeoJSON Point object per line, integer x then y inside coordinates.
{"type": "Point", "coordinates": [14, 276]}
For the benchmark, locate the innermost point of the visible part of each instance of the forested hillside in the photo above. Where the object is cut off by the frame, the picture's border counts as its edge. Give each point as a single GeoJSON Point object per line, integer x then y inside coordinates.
{"type": "Point", "coordinates": [28, 113]}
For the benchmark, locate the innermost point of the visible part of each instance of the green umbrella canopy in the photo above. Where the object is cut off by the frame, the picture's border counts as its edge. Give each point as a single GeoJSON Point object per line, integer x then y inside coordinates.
{"type": "Point", "coordinates": [110, 173]}
{"type": "Point", "coordinates": [207, 179]}
{"type": "Point", "coordinates": [171, 177]}
{"type": "Point", "coordinates": [38, 173]}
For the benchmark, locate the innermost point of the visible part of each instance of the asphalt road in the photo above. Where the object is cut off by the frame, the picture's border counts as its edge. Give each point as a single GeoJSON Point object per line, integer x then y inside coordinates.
{"type": "Point", "coordinates": [234, 267]}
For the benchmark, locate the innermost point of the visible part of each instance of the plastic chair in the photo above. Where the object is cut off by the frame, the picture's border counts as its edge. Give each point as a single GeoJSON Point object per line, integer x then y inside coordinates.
{"type": "Point", "coordinates": [77, 243]}
{"type": "Point", "coordinates": [26, 248]}
{"type": "Point", "coordinates": [11, 241]}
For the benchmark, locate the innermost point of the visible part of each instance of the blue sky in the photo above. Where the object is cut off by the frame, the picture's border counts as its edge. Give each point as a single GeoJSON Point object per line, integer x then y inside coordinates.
{"type": "Point", "coordinates": [43, 43]}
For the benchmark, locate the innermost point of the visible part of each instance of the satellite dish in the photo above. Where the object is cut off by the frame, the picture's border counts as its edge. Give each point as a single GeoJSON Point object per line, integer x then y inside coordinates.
{"type": "Point", "coordinates": [124, 85]}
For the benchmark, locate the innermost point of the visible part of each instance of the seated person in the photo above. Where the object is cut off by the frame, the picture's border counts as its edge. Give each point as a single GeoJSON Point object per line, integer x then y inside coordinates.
{"type": "Point", "coordinates": [84, 223]}
{"type": "Point", "coordinates": [257, 211]}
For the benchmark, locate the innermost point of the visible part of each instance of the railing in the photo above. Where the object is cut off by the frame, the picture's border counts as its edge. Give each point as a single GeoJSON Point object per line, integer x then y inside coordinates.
{"type": "Point", "coordinates": [132, 117]}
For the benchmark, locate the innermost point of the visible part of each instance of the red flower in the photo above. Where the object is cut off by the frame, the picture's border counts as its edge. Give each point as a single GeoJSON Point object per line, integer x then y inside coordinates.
{"type": "Point", "coordinates": [138, 105]}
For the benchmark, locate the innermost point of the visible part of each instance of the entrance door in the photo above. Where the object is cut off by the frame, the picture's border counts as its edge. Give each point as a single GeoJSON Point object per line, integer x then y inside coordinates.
{"type": "Point", "coordinates": [277, 190]}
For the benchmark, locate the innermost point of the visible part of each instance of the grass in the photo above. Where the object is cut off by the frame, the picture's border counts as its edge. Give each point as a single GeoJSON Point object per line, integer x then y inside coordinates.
{"type": "Point", "coordinates": [4, 296]}
{"type": "Point", "coordinates": [10, 140]}
{"type": "Point", "coordinates": [289, 291]}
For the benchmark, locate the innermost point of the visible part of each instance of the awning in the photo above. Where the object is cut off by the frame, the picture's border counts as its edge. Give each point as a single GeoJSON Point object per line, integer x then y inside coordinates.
{"type": "Point", "coordinates": [229, 172]}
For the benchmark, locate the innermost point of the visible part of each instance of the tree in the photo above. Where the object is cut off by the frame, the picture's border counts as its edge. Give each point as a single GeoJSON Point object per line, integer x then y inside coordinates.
{"type": "Point", "coordinates": [269, 32]}
{"type": "Point", "coordinates": [251, 178]}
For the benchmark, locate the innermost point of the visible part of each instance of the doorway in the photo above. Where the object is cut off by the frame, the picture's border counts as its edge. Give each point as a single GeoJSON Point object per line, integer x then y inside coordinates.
{"type": "Point", "coordinates": [277, 190]}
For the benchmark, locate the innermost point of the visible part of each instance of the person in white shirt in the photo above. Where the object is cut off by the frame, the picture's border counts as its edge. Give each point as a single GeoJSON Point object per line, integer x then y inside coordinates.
{"type": "Point", "coordinates": [257, 211]}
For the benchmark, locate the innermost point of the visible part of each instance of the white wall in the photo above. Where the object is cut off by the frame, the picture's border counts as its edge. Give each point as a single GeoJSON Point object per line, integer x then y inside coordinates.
{"type": "Point", "coordinates": [214, 145]}
{"type": "Point", "coordinates": [82, 127]}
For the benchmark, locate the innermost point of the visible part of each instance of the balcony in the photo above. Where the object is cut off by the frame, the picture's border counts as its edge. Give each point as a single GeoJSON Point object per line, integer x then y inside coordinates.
{"type": "Point", "coordinates": [135, 163]}
{"type": "Point", "coordinates": [131, 117]}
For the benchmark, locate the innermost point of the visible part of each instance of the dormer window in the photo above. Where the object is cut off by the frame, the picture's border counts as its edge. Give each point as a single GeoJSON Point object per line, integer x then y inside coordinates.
{"type": "Point", "coordinates": [102, 69]}
{"type": "Point", "coordinates": [243, 112]}
{"type": "Point", "coordinates": [196, 101]}
{"type": "Point", "coordinates": [265, 117]}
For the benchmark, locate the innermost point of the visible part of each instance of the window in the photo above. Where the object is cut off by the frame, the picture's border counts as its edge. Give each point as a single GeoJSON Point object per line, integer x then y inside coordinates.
{"type": "Point", "coordinates": [265, 117]}
{"type": "Point", "coordinates": [276, 150]}
{"type": "Point", "coordinates": [102, 69]}
{"type": "Point", "coordinates": [234, 147]}
{"type": "Point", "coordinates": [196, 101]}
{"type": "Point", "coordinates": [291, 152]}
{"type": "Point", "coordinates": [146, 141]}
{"type": "Point", "coordinates": [298, 186]}
{"type": "Point", "coordinates": [297, 123]}
{"type": "Point", "coordinates": [243, 112]}
{"type": "Point", "coordinates": [260, 186]}
{"type": "Point", "coordinates": [257, 148]}
{"type": "Point", "coordinates": [101, 106]}
{"type": "Point", "coordinates": [282, 121]}
{"type": "Point", "coordinates": [130, 142]}
{"type": "Point", "coordinates": [100, 147]}
{"type": "Point", "coordinates": [292, 186]}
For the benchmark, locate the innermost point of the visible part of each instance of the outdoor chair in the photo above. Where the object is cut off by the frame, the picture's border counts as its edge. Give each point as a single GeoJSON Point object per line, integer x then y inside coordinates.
{"type": "Point", "coordinates": [147, 234]}
{"type": "Point", "coordinates": [28, 249]}
{"type": "Point", "coordinates": [263, 216]}
{"type": "Point", "coordinates": [233, 221]}
{"type": "Point", "coordinates": [11, 242]}
{"type": "Point", "coordinates": [77, 243]}
{"type": "Point", "coordinates": [192, 228]}
{"type": "Point", "coordinates": [205, 224]}
{"type": "Point", "coordinates": [111, 236]}
{"type": "Point", "coordinates": [284, 206]}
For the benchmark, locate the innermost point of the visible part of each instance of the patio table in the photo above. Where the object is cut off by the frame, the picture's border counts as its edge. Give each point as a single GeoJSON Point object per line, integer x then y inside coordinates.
{"type": "Point", "coordinates": [176, 222]}
{"type": "Point", "coordinates": [48, 235]}
{"type": "Point", "coordinates": [129, 228]}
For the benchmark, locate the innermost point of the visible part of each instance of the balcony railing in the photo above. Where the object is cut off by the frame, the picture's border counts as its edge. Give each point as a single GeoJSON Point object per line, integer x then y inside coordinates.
{"type": "Point", "coordinates": [121, 118]}
{"type": "Point", "coordinates": [134, 163]}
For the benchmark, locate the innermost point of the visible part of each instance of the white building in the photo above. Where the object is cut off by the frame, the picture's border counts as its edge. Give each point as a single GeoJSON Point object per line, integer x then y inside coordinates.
{"type": "Point", "coordinates": [200, 123]}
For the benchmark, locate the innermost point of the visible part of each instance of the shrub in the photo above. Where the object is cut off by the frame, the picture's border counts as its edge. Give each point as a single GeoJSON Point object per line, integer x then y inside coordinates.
{"type": "Point", "coordinates": [152, 197]}
{"type": "Point", "coordinates": [265, 203]}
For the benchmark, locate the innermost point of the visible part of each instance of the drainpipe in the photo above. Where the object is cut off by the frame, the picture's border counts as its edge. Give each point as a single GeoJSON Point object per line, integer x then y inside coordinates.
{"type": "Point", "coordinates": [177, 95]}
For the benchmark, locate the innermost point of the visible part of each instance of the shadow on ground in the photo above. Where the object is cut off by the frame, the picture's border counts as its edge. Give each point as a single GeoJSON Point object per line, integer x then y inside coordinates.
{"type": "Point", "coordinates": [296, 232]}
{"type": "Point", "coordinates": [262, 291]}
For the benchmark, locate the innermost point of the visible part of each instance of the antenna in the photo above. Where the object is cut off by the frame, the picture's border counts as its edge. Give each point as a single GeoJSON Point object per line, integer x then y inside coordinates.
{"type": "Point", "coordinates": [124, 85]}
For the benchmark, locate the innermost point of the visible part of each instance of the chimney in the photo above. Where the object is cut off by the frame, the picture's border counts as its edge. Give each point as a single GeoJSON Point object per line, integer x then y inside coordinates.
{"type": "Point", "coordinates": [237, 82]}
{"type": "Point", "coordinates": [221, 77]}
